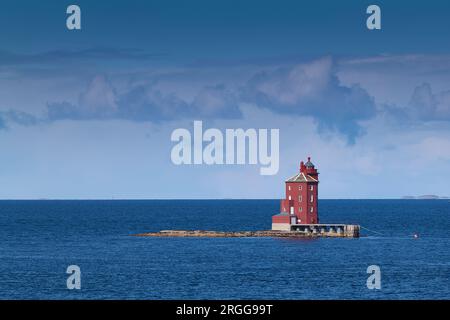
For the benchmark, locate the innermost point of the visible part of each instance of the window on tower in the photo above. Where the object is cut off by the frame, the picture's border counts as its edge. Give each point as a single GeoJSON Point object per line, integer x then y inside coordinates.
{"type": "Point", "coordinates": [312, 198]}
{"type": "Point", "coordinates": [289, 188]}
{"type": "Point", "coordinates": [300, 187]}
{"type": "Point", "coordinates": [300, 198]}
{"type": "Point", "coordinates": [312, 209]}
{"type": "Point", "coordinates": [311, 188]}
{"type": "Point", "coordinates": [300, 209]}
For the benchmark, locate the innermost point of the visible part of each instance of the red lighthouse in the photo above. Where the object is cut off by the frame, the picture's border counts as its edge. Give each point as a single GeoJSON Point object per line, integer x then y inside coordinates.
{"type": "Point", "coordinates": [300, 204]}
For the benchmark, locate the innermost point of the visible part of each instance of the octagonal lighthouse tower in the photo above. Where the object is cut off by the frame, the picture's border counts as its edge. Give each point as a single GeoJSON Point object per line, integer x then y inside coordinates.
{"type": "Point", "coordinates": [300, 204]}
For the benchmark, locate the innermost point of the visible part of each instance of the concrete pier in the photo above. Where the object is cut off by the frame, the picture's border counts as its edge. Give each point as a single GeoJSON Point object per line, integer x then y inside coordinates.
{"type": "Point", "coordinates": [328, 230]}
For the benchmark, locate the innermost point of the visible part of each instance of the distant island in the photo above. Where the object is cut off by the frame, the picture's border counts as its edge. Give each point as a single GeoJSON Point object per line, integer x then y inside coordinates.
{"type": "Point", "coordinates": [425, 197]}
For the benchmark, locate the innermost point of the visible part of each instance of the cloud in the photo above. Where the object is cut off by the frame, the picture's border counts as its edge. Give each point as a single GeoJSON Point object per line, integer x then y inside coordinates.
{"type": "Point", "coordinates": [216, 101]}
{"type": "Point", "coordinates": [98, 101]}
{"type": "Point", "coordinates": [72, 63]}
{"type": "Point", "coordinates": [308, 89]}
{"type": "Point", "coordinates": [313, 89]}
{"type": "Point", "coordinates": [63, 56]}
{"type": "Point", "coordinates": [433, 148]}
{"type": "Point", "coordinates": [403, 64]}
{"type": "Point", "coordinates": [428, 106]}
{"type": "Point", "coordinates": [424, 106]}
{"type": "Point", "coordinates": [2, 123]}
{"type": "Point", "coordinates": [17, 117]}
{"type": "Point", "coordinates": [145, 103]}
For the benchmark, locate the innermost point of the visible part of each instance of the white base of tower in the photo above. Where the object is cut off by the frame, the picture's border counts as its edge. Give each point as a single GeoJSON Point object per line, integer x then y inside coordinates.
{"type": "Point", "coordinates": [281, 226]}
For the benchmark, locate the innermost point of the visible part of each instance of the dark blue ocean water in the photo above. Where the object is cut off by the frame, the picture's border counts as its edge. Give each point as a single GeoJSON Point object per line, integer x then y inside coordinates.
{"type": "Point", "coordinates": [39, 239]}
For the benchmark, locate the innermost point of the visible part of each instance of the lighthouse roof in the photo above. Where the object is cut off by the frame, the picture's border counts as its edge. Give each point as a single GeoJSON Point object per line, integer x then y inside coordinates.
{"type": "Point", "coordinates": [301, 177]}
{"type": "Point", "coordinates": [309, 164]}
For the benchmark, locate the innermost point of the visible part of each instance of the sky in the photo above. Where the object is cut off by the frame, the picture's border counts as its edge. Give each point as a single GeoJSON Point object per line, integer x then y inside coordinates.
{"type": "Point", "coordinates": [88, 114]}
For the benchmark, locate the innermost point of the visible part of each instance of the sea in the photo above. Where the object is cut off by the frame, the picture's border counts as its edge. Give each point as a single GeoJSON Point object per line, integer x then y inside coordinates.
{"type": "Point", "coordinates": [40, 239]}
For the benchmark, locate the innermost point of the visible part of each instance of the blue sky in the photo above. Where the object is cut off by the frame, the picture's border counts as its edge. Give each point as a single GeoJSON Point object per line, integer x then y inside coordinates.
{"type": "Point", "coordinates": [89, 113]}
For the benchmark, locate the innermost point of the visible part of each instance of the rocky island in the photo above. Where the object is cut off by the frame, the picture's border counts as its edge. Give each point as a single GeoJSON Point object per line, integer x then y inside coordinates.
{"type": "Point", "coordinates": [339, 231]}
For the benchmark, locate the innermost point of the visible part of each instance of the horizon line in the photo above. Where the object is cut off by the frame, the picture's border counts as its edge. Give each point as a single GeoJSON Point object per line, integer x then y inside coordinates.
{"type": "Point", "coordinates": [202, 199]}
